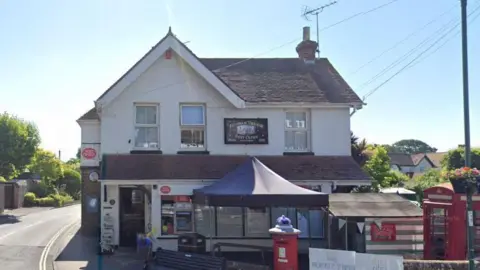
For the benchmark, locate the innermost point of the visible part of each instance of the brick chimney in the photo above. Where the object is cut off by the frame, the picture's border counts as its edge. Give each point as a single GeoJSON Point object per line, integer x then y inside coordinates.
{"type": "Point", "coordinates": [306, 49]}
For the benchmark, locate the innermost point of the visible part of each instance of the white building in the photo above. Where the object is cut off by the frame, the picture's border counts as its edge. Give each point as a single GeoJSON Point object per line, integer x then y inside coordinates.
{"type": "Point", "coordinates": [175, 122]}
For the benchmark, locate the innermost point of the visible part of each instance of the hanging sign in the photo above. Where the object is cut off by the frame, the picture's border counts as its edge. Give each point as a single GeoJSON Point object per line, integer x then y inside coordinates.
{"type": "Point", "coordinates": [246, 130]}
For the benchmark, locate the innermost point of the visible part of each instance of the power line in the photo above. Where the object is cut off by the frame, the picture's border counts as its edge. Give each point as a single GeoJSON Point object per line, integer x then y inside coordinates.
{"type": "Point", "coordinates": [321, 30]}
{"type": "Point", "coordinates": [412, 62]}
{"type": "Point", "coordinates": [283, 45]}
{"type": "Point", "coordinates": [403, 40]}
{"type": "Point", "coordinates": [407, 54]}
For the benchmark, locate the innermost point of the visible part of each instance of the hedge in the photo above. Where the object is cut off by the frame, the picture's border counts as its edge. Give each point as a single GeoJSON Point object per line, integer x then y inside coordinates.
{"type": "Point", "coordinates": [53, 200]}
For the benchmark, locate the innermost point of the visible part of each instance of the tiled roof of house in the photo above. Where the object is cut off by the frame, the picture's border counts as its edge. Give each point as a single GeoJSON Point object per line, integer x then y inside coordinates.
{"type": "Point", "coordinates": [90, 115]}
{"type": "Point", "coordinates": [436, 158]}
{"type": "Point", "coordinates": [260, 80]}
{"type": "Point", "coordinates": [400, 159]}
{"type": "Point", "coordinates": [147, 166]}
{"type": "Point", "coordinates": [283, 80]}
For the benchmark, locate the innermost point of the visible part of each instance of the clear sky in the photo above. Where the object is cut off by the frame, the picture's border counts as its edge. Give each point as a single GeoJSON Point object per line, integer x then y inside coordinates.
{"type": "Point", "coordinates": [57, 57]}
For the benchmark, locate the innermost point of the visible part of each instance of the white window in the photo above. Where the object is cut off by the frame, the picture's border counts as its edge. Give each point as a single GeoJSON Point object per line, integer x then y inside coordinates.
{"type": "Point", "coordinates": [296, 132]}
{"type": "Point", "coordinates": [192, 126]}
{"type": "Point", "coordinates": [146, 127]}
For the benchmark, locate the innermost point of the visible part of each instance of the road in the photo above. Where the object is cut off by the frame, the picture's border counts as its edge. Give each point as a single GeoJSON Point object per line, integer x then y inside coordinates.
{"type": "Point", "coordinates": [22, 240]}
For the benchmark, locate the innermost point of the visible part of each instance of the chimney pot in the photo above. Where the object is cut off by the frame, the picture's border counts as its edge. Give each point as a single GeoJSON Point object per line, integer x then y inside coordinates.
{"type": "Point", "coordinates": [306, 33]}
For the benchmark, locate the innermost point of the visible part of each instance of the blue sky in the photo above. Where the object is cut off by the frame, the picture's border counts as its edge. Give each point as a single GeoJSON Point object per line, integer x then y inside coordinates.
{"type": "Point", "coordinates": [56, 57]}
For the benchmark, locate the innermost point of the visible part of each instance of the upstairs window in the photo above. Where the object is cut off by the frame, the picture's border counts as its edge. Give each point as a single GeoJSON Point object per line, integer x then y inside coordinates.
{"type": "Point", "coordinates": [296, 132]}
{"type": "Point", "coordinates": [192, 126]}
{"type": "Point", "coordinates": [146, 127]}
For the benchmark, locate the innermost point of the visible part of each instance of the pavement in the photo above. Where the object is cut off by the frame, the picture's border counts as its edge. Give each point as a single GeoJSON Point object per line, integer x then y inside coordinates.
{"type": "Point", "coordinates": [76, 252]}
{"type": "Point", "coordinates": [25, 232]}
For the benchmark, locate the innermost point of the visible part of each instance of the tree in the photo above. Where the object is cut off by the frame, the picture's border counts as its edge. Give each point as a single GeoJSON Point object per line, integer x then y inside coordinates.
{"type": "Point", "coordinates": [79, 151]}
{"type": "Point", "coordinates": [430, 178]}
{"type": "Point", "coordinates": [358, 149]}
{"type": "Point", "coordinates": [412, 146]}
{"type": "Point", "coordinates": [71, 181]}
{"type": "Point", "coordinates": [47, 165]}
{"type": "Point", "coordinates": [455, 159]}
{"type": "Point", "coordinates": [378, 167]}
{"type": "Point", "coordinates": [18, 143]}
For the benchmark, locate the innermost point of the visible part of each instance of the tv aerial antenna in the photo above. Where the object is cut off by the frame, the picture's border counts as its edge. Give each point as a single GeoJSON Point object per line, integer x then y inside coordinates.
{"type": "Point", "coordinates": [307, 12]}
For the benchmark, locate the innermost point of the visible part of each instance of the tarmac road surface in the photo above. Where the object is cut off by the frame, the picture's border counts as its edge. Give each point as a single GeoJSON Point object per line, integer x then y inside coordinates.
{"type": "Point", "coordinates": [24, 233]}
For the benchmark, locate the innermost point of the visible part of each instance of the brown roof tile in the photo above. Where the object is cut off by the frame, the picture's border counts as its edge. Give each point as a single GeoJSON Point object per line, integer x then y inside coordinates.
{"type": "Point", "coordinates": [90, 115]}
{"type": "Point", "coordinates": [400, 159]}
{"type": "Point", "coordinates": [150, 166]}
{"type": "Point", "coordinates": [436, 158]}
{"type": "Point", "coordinates": [282, 80]}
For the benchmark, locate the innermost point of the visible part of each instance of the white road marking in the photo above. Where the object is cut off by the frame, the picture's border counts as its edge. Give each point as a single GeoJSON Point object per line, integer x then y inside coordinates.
{"type": "Point", "coordinates": [42, 264]}
{"type": "Point", "coordinates": [21, 228]}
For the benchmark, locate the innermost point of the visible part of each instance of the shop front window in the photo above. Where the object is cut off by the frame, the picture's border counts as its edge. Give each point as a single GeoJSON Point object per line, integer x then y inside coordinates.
{"type": "Point", "coordinates": [229, 222]}
{"type": "Point", "coordinates": [205, 220]}
{"type": "Point", "coordinates": [257, 222]}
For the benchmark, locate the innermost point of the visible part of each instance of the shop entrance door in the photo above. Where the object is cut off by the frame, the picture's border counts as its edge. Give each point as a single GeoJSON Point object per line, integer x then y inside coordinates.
{"type": "Point", "coordinates": [437, 239]}
{"type": "Point", "coordinates": [132, 215]}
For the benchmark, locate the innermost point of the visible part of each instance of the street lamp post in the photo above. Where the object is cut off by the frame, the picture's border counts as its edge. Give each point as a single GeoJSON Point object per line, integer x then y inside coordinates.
{"type": "Point", "coordinates": [466, 118]}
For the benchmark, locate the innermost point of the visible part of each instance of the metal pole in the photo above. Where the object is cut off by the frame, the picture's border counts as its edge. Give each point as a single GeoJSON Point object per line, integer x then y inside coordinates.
{"type": "Point", "coordinates": [466, 119]}
{"type": "Point", "coordinates": [318, 37]}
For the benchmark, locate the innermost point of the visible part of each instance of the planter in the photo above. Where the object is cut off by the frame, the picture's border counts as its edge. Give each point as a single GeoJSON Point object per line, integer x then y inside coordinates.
{"type": "Point", "coordinates": [460, 186]}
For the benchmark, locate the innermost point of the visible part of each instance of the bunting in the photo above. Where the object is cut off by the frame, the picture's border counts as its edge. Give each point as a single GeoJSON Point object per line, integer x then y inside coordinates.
{"type": "Point", "coordinates": [361, 226]}
{"type": "Point", "coordinates": [341, 223]}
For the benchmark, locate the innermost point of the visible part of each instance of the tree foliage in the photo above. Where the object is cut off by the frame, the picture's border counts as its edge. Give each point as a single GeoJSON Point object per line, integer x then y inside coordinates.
{"type": "Point", "coordinates": [19, 141]}
{"type": "Point", "coordinates": [455, 158]}
{"type": "Point", "coordinates": [411, 146]}
{"type": "Point", "coordinates": [358, 149]}
{"type": "Point", "coordinates": [47, 165]}
{"type": "Point", "coordinates": [429, 179]}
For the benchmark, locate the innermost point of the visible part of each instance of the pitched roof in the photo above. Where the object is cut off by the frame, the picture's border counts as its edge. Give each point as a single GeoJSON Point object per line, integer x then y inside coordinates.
{"type": "Point", "coordinates": [372, 205]}
{"type": "Point", "coordinates": [151, 166]}
{"type": "Point", "coordinates": [417, 158]}
{"type": "Point", "coordinates": [272, 80]}
{"type": "Point", "coordinates": [401, 159]}
{"type": "Point", "coordinates": [283, 80]}
{"type": "Point", "coordinates": [90, 115]}
{"type": "Point", "coordinates": [436, 158]}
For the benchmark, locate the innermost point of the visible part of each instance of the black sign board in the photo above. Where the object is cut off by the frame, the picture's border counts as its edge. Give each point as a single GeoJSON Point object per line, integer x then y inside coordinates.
{"type": "Point", "coordinates": [246, 130]}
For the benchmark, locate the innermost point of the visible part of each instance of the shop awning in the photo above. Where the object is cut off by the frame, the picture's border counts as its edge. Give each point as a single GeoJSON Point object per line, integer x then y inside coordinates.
{"type": "Point", "coordinates": [252, 184]}
{"type": "Point", "coordinates": [370, 205]}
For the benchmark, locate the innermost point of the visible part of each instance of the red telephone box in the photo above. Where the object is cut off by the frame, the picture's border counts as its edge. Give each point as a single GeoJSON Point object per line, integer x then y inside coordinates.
{"type": "Point", "coordinates": [444, 227]}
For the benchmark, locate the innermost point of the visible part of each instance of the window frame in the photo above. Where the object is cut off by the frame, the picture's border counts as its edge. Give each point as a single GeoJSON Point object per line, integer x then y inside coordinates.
{"type": "Point", "coordinates": [201, 127]}
{"type": "Point", "coordinates": [156, 125]}
{"type": "Point", "coordinates": [306, 130]}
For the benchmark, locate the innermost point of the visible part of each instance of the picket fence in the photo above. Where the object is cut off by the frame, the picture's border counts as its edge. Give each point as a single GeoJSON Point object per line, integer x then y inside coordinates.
{"type": "Point", "coordinates": [323, 259]}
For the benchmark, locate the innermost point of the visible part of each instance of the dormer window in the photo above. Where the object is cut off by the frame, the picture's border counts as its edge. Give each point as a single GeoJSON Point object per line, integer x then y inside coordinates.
{"type": "Point", "coordinates": [146, 127]}
{"type": "Point", "coordinates": [192, 126]}
{"type": "Point", "coordinates": [296, 131]}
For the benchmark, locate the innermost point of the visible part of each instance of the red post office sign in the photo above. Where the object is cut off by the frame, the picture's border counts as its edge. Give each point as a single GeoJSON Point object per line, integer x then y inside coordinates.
{"type": "Point", "coordinates": [165, 189]}
{"type": "Point", "coordinates": [89, 153]}
{"type": "Point", "coordinates": [387, 232]}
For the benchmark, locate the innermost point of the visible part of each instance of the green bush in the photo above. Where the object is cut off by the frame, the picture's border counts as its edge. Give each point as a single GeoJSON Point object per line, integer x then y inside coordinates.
{"type": "Point", "coordinates": [42, 189]}
{"type": "Point", "coordinates": [47, 201]}
{"type": "Point", "coordinates": [29, 199]}
{"type": "Point", "coordinates": [2, 179]}
{"type": "Point", "coordinates": [61, 200]}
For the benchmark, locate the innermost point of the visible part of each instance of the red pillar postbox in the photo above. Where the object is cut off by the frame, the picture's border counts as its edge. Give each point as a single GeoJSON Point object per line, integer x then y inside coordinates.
{"type": "Point", "coordinates": [285, 245]}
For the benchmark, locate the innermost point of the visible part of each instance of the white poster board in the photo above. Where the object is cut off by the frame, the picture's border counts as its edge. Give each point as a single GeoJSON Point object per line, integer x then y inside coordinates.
{"type": "Point", "coordinates": [364, 261]}
{"type": "Point", "coordinates": [323, 259]}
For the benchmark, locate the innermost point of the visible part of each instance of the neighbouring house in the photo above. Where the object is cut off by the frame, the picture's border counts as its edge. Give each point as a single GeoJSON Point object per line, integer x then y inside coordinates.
{"type": "Point", "coordinates": [175, 123]}
{"type": "Point", "coordinates": [415, 164]}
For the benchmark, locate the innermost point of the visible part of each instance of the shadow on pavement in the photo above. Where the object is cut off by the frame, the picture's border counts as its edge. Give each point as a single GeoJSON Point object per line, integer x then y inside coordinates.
{"type": "Point", "coordinates": [81, 253]}
{"type": "Point", "coordinates": [8, 219]}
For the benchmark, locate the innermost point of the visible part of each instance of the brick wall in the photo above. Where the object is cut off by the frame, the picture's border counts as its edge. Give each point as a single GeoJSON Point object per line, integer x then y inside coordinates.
{"type": "Point", "coordinates": [90, 219]}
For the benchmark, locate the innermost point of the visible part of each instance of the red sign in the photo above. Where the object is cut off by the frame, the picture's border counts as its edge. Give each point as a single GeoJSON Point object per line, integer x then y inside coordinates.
{"type": "Point", "coordinates": [182, 199]}
{"type": "Point", "coordinates": [89, 153]}
{"type": "Point", "coordinates": [165, 189]}
{"type": "Point", "coordinates": [387, 233]}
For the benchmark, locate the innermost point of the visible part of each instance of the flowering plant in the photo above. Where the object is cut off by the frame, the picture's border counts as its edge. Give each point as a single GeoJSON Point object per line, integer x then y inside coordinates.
{"type": "Point", "coordinates": [465, 173]}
